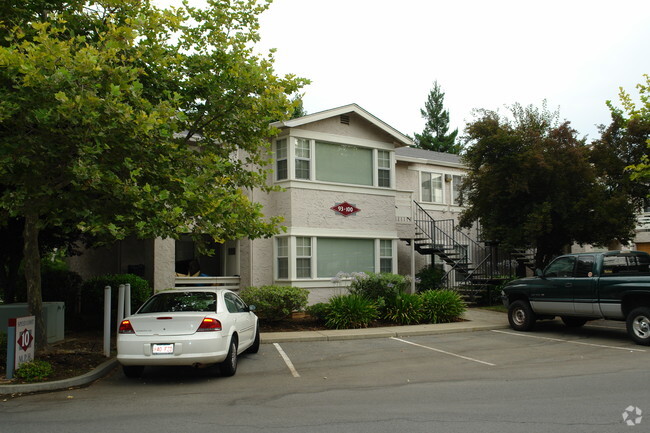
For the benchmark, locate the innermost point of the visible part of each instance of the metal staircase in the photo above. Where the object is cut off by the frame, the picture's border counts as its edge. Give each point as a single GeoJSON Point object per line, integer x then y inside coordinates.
{"type": "Point", "coordinates": [473, 269]}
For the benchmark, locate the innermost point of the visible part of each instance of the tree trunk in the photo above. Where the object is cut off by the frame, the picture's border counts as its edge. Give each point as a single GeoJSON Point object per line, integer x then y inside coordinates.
{"type": "Point", "coordinates": [32, 263]}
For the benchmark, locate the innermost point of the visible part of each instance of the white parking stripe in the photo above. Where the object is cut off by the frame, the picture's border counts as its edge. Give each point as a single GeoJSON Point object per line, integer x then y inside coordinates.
{"type": "Point", "coordinates": [559, 340]}
{"type": "Point", "coordinates": [287, 360]}
{"type": "Point", "coordinates": [444, 352]}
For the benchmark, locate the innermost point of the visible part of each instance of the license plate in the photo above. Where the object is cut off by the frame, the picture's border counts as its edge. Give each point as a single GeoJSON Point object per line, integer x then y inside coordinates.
{"type": "Point", "coordinates": [162, 349]}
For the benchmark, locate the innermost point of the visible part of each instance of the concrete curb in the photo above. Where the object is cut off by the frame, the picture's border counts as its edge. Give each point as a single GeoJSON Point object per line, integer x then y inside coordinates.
{"type": "Point", "coordinates": [475, 320]}
{"type": "Point", "coordinates": [99, 372]}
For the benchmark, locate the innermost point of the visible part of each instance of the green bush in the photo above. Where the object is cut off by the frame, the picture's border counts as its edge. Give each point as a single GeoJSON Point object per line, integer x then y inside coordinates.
{"type": "Point", "coordinates": [274, 303]}
{"type": "Point", "coordinates": [429, 278]}
{"type": "Point", "coordinates": [375, 286]}
{"type": "Point", "coordinates": [34, 371]}
{"type": "Point", "coordinates": [442, 306]}
{"type": "Point", "coordinates": [319, 311]}
{"type": "Point", "coordinates": [405, 309]}
{"type": "Point", "coordinates": [92, 295]}
{"type": "Point", "coordinates": [351, 311]}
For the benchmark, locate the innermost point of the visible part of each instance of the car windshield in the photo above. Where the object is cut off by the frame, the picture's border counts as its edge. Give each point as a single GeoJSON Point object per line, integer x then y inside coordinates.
{"type": "Point", "coordinates": [169, 302]}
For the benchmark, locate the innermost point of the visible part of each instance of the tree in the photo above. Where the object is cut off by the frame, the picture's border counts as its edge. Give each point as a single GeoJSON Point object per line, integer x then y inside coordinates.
{"type": "Point", "coordinates": [109, 127]}
{"type": "Point", "coordinates": [434, 136]}
{"type": "Point", "coordinates": [531, 185]}
{"type": "Point", "coordinates": [622, 148]}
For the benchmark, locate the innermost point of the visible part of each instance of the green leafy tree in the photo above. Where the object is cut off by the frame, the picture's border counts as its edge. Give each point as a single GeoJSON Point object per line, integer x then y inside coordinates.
{"type": "Point", "coordinates": [109, 127]}
{"type": "Point", "coordinates": [623, 147]}
{"type": "Point", "coordinates": [531, 184]}
{"type": "Point", "coordinates": [435, 134]}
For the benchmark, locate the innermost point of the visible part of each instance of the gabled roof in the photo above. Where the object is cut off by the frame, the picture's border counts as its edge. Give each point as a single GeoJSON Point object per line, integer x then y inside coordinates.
{"type": "Point", "coordinates": [351, 108]}
{"type": "Point", "coordinates": [411, 154]}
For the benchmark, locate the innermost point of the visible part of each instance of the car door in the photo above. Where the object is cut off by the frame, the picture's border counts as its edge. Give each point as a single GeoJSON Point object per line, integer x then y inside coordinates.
{"type": "Point", "coordinates": [244, 319]}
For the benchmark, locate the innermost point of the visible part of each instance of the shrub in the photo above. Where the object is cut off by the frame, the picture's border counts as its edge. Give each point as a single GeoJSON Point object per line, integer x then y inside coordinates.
{"type": "Point", "coordinates": [92, 295]}
{"type": "Point", "coordinates": [405, 309]}
{"type": "Point", "coordinates": [429, 278]}
{"type": "Point", "coordinates": [441, 306]}
{"type": "Point", "coordinates": [375, 286]}
{"type": "Point", "coordinates": [34, 371]}
{"type": "Point", "coordinates": [319, 311]}
{"type": "Point", "coordinates": [351, 311]}
{"type": "Point", "coordinates": [274, 303]}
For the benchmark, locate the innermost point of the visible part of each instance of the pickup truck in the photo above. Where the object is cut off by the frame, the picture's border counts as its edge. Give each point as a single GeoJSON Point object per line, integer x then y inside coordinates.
{"type": "Point", "coordinates": [611, 285]}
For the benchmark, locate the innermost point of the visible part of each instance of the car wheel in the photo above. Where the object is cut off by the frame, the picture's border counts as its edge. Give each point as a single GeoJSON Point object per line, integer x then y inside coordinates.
{"type": "Point", "coordinates": [229, 366]}
{"type": "Point", "coordinates": [638, 325]}
{"type": "Point", "coordinates": [573, 322]}
{"type": "Point", "coordinates": [255, 347]}
{"type": "Point", "coordinates": [521, 316]}
{"type": "Point", "coordinates": [132, 371]}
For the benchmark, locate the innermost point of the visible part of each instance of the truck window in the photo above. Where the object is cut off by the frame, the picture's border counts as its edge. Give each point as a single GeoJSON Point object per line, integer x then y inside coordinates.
{"type": "Point", "coordinates": [626, 264]}
{"type": "Point", "coordinates": [561, 267]}
{"type": "Point", "coordinates": [584, 267]}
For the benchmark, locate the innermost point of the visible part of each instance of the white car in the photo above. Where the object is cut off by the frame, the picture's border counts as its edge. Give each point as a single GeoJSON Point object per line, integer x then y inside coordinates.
{"type": "Point", "coordinates": [193, 326]}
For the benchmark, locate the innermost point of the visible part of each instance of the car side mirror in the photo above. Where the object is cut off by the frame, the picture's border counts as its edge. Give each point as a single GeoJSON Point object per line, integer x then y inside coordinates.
{"type": "Point", "coordinates": [252, 308]}
{"type": "Point", "coordinates": [539, 273]}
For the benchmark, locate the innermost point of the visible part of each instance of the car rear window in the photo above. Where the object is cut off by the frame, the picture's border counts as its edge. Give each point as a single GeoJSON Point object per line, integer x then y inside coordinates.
{"type": "Point", "coordinates": [169, 302]}
{"type": "Point", "coordinates": [626, 264]}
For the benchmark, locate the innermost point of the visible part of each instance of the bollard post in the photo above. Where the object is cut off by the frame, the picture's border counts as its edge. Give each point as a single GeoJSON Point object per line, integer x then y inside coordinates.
{"type": "Point", "coordinates": [107, 321]}
{"type": "Point", "coordinates": [11, 347]}
{"type": "Point", "coordinates": [127, 300]}
{"type": "Point", "coordinates": [120, 305]}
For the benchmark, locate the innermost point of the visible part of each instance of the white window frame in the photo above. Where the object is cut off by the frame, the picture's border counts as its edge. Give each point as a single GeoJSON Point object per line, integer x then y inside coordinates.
{"type": "Point", "coordinates": [431, 199]}
{"type": "Point", "coordinates": [455, 189]}
{"type": "Point", "coordinates": [380, 169]}
{"type": "Point", "coordinates": [284, 158]}
{"type": "Point", "coordinates": [381, 243]}
{"type": "Point", "coordinates": [285, 258]}
{"type": "Point", "coordinates": [307, 158]}
{"type": "Point", "coordinates": [303, 254]}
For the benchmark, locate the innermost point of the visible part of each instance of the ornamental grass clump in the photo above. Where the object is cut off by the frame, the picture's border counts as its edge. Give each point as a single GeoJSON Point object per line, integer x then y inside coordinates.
{"type": "Point", "coordinates": [442, 306]}
{"type": "Point", "coordinates": [351, 311]}
{"type": "Point", "coordinates": [404, 309]}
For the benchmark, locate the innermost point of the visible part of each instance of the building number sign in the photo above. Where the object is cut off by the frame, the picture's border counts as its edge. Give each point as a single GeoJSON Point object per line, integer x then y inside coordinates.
{"type": "Point", "coordinates": [345, 208]}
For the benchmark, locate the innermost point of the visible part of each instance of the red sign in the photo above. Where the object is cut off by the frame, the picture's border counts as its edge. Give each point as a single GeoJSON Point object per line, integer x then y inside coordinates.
{"type": "Point", "coordinates": [25, 339]}
{"type": "Point", "coordinates": [345, 208]}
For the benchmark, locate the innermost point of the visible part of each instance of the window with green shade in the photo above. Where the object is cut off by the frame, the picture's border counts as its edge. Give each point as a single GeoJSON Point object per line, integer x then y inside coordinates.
{"type": "Point", "coordinates": [344, 255]}
{"type": "Point", "coordinates": [344, 164]}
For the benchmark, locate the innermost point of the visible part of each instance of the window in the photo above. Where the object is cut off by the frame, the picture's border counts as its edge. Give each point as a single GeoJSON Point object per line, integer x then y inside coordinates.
{"type": "Point", "coordinates": [432, 187]}
{"type": "Point", "coordinates": [386, 255]}
{"type": "Point", "coordinates": [283, 257]}
{"type": "Point", "coordinates": [562, 267]}
{"type": "Point", "coordinates": [344, 164]}
{"type": "Point", "coordinates": [303, 158]}
{"type": "Point", "coordinates": [344, 255]}
{"type": "Point", "coordinates": [303, 257]}
{"type": "Point", "coordinates": [383, 168]}
{"type": "Point", "coordinates": [584, 267]}
{"type": "Point", "coordinates": [455, 185]}
{"type": "Point", "coordinates": [626, 264]}
{"type": "Point", "coordinates": [281, 169]}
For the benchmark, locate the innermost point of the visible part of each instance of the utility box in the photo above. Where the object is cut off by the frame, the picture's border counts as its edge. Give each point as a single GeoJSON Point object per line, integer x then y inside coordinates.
{"type": "Point", "coordinates": [54, 316]}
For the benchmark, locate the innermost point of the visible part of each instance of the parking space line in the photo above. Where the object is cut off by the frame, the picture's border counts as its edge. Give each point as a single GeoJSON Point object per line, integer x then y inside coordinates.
{"type": "Point", "coordinates": [559, 340]}
{"type": "Point", "coordinates": [443, 352]}
{"type": "Point", "coordinates": [286, 360]}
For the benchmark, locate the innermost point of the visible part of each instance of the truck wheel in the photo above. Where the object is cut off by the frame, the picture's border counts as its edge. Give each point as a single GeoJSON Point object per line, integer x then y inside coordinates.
{"type": "Point", "coordinates": [638, 325]}
{"type": "Point", "coordinates": [521, 316]}
{"type": "Point", "coordinates": [573, 322]}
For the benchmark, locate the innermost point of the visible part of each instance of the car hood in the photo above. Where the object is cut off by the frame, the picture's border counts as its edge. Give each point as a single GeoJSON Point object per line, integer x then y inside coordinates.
{"type": "Point", "coordinates": [167, 324]}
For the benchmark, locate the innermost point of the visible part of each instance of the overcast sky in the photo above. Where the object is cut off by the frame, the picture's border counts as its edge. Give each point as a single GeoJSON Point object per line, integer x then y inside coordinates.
{"type": "Point", "coordinates": [385, 55]}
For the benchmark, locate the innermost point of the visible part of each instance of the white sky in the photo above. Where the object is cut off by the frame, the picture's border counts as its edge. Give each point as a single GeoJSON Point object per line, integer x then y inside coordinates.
{"type": "Point", "coordinates": [385, 55]}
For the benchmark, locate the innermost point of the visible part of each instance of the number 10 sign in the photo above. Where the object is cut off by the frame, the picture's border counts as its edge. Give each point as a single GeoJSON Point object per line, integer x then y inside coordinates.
{"type": "Point", "coordinates": [24, 351]}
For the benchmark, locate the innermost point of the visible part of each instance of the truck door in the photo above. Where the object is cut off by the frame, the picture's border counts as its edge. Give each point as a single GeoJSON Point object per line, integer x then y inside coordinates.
{"type": "Point", "coordinates": [554, 292]}
{"type": "Point", "coordinates": [585, 299]}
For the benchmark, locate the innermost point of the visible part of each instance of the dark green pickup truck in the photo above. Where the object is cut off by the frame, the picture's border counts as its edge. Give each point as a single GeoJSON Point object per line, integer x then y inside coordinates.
{"type": "Point", "coordinates": [613, 285]}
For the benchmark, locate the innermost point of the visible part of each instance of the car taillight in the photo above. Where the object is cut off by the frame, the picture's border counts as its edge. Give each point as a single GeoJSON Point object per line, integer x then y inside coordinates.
{"type": "Point", "coordinates": [209, 324]}
{"type": "Point", "coordinates": [126, 328]}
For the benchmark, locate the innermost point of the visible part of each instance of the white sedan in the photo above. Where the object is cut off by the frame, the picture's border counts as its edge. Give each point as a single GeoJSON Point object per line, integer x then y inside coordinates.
{"type": "Point", "coordinates": [188, 326]}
